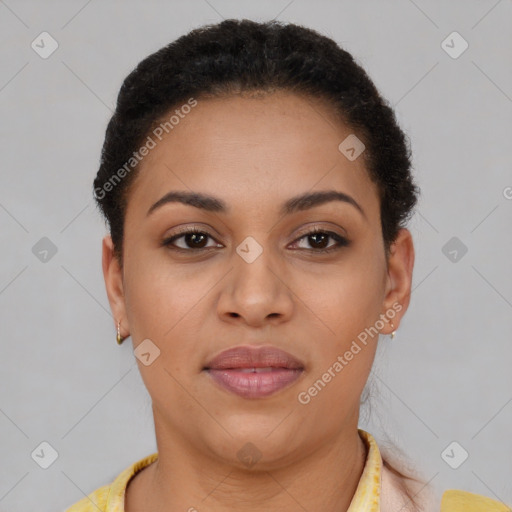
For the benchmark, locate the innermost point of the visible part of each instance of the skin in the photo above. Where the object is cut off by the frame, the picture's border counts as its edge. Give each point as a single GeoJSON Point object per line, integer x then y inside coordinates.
{"type": "Point", "coordinates": [254, 153]}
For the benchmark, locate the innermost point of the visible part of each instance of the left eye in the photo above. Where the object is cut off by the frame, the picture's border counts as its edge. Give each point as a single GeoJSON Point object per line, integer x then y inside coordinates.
{"type": "Point", "coordinates": [319, 237]}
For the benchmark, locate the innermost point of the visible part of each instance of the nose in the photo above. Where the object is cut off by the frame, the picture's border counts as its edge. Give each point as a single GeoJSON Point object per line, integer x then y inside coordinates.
{"type": "Point", "coordinates": [257, 290]}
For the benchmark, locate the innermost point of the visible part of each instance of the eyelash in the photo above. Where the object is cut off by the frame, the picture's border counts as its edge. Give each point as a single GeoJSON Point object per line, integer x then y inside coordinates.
{"type": "Point", "coordinates": [341, 241]}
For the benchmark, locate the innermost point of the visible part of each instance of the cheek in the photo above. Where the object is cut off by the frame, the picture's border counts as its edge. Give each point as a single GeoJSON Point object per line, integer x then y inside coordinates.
{"type": "Point", "coordinates": [158, 293]}
{"type": "Point", "coordinates": [346, 303]}
{"type": "Point", "coordinates": [347, 299]}
{"type": "Point", "coordinates": [163, 306]}
{"type": "Point", "coordinates": [165, 303]}
{"type": "Point", "coordinates": [345, 342]}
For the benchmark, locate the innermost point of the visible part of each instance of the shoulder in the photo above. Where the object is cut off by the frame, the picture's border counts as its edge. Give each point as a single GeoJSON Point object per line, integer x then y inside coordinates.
{"type": "Point", "coordinates": [110, 497]}
{"type": "Point", "coordinates": [406, 495]}
{"type": "Point", "coordinates": [95, 501]}
{"type": "Point", "coordinates": [455, 500]}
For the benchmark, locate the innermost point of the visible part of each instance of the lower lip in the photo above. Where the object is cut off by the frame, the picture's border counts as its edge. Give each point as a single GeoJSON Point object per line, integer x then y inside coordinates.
{"type": "Point", "coordinates": [254, 385]}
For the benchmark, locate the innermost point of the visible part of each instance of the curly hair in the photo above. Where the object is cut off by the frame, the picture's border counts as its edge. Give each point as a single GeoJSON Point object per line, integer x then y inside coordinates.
{"type": "Point", "coordinates": [237, 56]}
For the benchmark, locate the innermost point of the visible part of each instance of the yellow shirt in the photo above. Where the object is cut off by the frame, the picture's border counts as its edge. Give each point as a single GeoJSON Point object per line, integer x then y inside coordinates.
{"type": "Point", "coordinates": [110, 498]}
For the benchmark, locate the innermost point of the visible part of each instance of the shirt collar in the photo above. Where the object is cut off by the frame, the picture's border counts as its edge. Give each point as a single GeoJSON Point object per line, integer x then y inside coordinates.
{"type": "Point", "coordinates": [115, 498]}
{"type": "Point", "coordinates": [367, 495]}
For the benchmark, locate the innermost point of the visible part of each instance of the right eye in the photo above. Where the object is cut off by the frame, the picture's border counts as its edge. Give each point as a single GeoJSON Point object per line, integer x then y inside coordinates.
{"type": "Point", "coordinates": [193, 239]}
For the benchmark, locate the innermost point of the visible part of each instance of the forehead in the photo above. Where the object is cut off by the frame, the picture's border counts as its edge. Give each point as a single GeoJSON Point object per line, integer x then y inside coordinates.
{"type": "Point", "coordinates": [252, 150]}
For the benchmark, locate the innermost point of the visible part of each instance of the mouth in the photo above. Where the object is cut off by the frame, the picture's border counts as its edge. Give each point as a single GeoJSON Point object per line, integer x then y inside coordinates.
{"type": "Point", "coordinates": [254, 372]}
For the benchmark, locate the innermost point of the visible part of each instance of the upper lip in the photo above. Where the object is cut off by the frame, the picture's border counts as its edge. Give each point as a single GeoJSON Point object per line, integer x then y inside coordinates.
{"type": "Point", "coordinates": [254, 357]}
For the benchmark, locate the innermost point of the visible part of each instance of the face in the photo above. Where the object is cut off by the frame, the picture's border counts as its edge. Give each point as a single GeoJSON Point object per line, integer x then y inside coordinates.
{"type": "Point", "coordinates": [256, 274]}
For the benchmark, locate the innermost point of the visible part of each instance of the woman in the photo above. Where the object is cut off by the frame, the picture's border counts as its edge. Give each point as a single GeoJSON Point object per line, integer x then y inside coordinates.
{"type": "Point", "coordinates": [256, 188]}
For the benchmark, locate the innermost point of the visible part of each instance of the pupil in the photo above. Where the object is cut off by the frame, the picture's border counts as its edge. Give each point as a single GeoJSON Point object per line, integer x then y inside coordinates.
{"type": "Point", "coordinates": [323, 236]}
{"type": "Point", "coordinates": [195, 237]}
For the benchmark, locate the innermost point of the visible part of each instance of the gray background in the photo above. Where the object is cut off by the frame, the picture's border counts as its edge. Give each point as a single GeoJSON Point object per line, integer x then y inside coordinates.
{"type": "Point", "coordinates": [446, 377]}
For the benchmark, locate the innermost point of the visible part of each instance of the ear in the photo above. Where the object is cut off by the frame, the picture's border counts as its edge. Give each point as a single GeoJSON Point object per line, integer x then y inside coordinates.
{"type": "Point", "coordinates": [399, 280]}
{"type": "Point", "coordinates": [113, 276]}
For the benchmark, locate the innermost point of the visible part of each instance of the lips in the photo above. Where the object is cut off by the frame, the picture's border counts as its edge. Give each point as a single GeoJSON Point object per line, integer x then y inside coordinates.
{"type": "Point", "coordinates": [254, 357]}
{"type": "Point", "coordinates": [254, 372]}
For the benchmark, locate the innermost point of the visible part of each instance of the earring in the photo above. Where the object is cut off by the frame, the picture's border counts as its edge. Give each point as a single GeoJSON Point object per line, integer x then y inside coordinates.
{"type": "Point", "coordinates": [119, 338]}
{"type": "Point", "coordinates": [394, 332]}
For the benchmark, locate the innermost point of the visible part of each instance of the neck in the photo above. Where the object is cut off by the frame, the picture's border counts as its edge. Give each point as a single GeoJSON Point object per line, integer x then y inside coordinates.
{"type": "Point", "coordinates": [183, 478]}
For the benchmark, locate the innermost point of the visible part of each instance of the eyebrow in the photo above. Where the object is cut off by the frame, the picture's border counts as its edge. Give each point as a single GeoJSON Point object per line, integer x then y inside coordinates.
{"type": "Point", "coordinates": [295, 204]}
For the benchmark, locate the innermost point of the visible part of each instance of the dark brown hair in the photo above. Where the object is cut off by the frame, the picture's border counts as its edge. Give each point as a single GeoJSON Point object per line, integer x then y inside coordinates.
{"type": "Point", "coordinates": [244, 56]}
